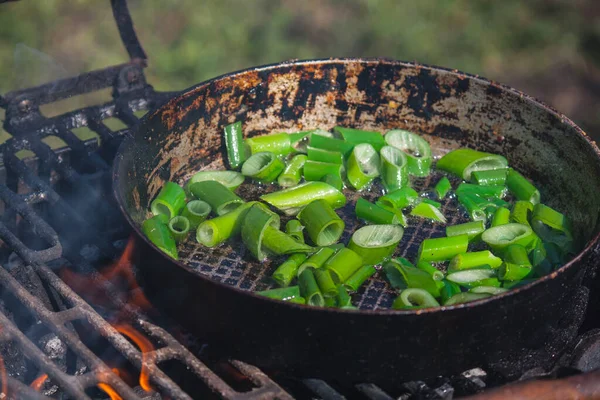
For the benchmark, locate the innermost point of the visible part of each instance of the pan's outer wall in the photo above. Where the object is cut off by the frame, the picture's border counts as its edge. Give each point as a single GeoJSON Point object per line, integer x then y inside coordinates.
{"type": "Point", "coordinates": [507, 334]}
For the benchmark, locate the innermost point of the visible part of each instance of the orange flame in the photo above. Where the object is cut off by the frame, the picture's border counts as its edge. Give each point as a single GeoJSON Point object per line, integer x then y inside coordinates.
{"type": "Point", "coordinates": [109, 390]}
{"type": "Point", "coordinates": [144, 345]}
{"type": "Point", "coordinates": [38, 382]}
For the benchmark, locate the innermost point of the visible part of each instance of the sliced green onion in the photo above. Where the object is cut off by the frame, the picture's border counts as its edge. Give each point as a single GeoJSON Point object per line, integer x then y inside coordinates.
{"type": "Point", "coordinates": [475, 259]}
{"type": "Point", "coordinates": [414, 297]}
{"type": "Point", "coordinates": [331, 144]}
{"type": "Point", "coordinates": [434, 203]}
{"type": "Point", "coordinates": [316, 170]}
{"type": "Point", "coordinates": [263, 167]}
{"type": "Point", "coordinates": [325, 282]}
{"type": "Point", "coordinates": [292, 200]}
{"type": "Point", "coordinates": [494, 177]}
{"type": "Point", "coordinates": [332, 157]}
{"type": "Point", "coordinates": [295, 229]}
{"type": "Point", "coordinates": [375, 243]}
{"type": "Point", "coordinates": [401, 198]}
{"type": "Point", "coordinates": [513, 272]}
{"type": "Point", "coordinates": [442, 187]}
{"type": "Point", "coordinates": [501, 216]}
{"type": "Point", "coordinates": [299, 140]}
{"type": "Point", "coordinates": [158, 233]}
{"type": "Point", "coordinates": [255, 224]}
{"type": "Point", "coordinates": [470, 203]}
{"type": "Point", "coordinates": [473, 277]}
{"type": "Point", "coordinates": [363, 166]}
{"type": "Point", "coordinates": [402, 274]}
{"type": "Point", "coordinates": [213, 232]}
{"type": "Point", "coordinates": [465, 298]}
{"type": "Point", "coordinates": [449, 290]}
{"type": "Point", "coordinates": [278, 243]}
{"type": "Point", "coordinates": [521, 188]}
{"type": "Point", "coordinates": [310, 289]}
{"type": "Point", "coordinates": [358, 136]}
{"type": "Point", "coordinates": [292, 173]}
{"type": "Point", "coordinates": [317, 260]}
{"type": "Point", "coordinates": [284, 294]}
{"type": "Point", "coordinates": [399, 216]}
{"type": "Point", "coordinates": [493, 290]}
{"type": "Point", "coordinates": [297, 300]}
{"type": "Point", "coordinates": [230, 179]}
{"type": "Point", "coordinates": [359, 277]}
{"type": "Point", "coordinates": [521, 212]}
{"type": "Point", "coordinates": [428, 211]}
{"type": "Point", "coordinates": [234, 142]}
{"type": "Point", "coordinates": [435, 273]}
{"type": "Point", "coordinates": [334, 180]}
{"type": "Point", "coordinates": [170, 200]}
{"type": "Point", "coordinates": [416, 148]}
{"type": "Point", "coordinates": [500, 237]}
{"type": "Point", "coordinates": [517, 254]}
{"type": "Point", "coordinates": [343, 298]}
{"type": "Point", "coordinates": [330, 301]}
{"type": "Point", "coordinates": [343, 264]}
{"type": "Point", "coordinates": [442, 249]}
{"type": "Point", "coordinates": [463, 162]}
{"type": "Point", "coordinates": [472, 229]}
{"type": "Point", "coordinates": [394, 168]}
{"type": "Point", "coordinates": [279, 144]}
{"type": "Point", "coordinates": [220, 199]}
{"type": "Point", "coordinates": [323, 225]}
{"type": "Point", "coordinates": [481, 190]}
{"type": "Point", "coordinates": [196, 211]}
{"type": "Point", "coordinates": [375, 214]}
{"type": "Point", "coordinates": [288, 270]}
{"type": "Point", "coordinates": [179, 227]}
{"type": "Point", "coordinates": [552, 227]}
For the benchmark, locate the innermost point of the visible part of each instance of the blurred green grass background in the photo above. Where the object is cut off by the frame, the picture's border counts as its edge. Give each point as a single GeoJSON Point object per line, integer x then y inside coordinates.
{"type": "Point", "coordinates": [547, 48]}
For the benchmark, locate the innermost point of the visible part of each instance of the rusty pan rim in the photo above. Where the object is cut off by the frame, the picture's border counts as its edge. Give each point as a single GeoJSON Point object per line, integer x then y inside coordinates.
{"type": "Point", "coordinates": [370, 62]}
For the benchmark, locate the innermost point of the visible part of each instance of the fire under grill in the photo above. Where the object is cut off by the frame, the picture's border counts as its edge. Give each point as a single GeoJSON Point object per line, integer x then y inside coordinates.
{"type": "Point", "coordinates": [70, 329]}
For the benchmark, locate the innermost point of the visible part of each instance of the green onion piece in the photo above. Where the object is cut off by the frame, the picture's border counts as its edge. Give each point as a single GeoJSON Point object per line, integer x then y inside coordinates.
{"type": "Point", "coordinates": [255, 224]}
{"type": "Point", "coordinates": [521, 212]}
{"type": "Point", "coordinates": [196, 212]}
{"type": "Point", "coordinates": [465, 298]}
{"type": "Point", "coordinates": [442, 187]}
{"type": "Point", "coordinates": [295, 229]}
{"type": "Point", "coordinates": [494, 177]}
{"type": "Point", "coordinates": [316, 170]}
{"type": "Point", "coordinates": [323, 225]}
{"type": "Point", "coordinates": [358, 136]}
{"type": "Point", "coordinates": [334, 180]}
{"type": "Point", "coordinates": [517, 254]}
{"type": "Point", "coordinates": [363, 166]}
{"type": "Point", "coordinates": [475, 259]}
{"type": "Point", "coordinates": [331, 144]}
{"type": "Point", "coordinates": [434, 203]}
{"type": "Point", "coordinates": [449, 290]}
{"type": "Point", "coordinates": [284, 294]}
{"type": "Point", "coordinates": [521, 188]}
{"type": "Point", "coordinates": [481, 190]}
{"type": "Point", "coordinates": [330, 302]}
{"type": "Point", "coordinates": [343, 298]}
{"type": "Point", "coordinates": [416, 148]}
{"type": "Point", "coordinates": [442, 249]}
{"type": "Point", "coordinates": [401, 198]}
{"type": "Point", "coordinates": [293, 199]}
{"type": "Point", "coordinates": [310, 289]}
{"type": "Point", "coordinates": [375, 243]}
{"type": "Point", "coordinates": [325, 282]}
{"type": "Point", "coordinates": [279, 144]}
{"type": "Point", "coordinates": [414, 297]}
{"type": "Point", "coordinates": [470, 203]}
{"type": "Point", "coordinates": [516, 284]}
{"type": "Point", "coordinates": [472, 229]}
{"type": "Point", "coordinates": [299, 140]}
{"type": "Point", "coordinates": [500, 237]}
{"type": "Point", "coordinates": [501, 216]}
{"type": "Point", "coordinates": [230, 179]}
{"type": "Point", "coordinates": [327, 134]}
{"type": "Point", "coordinates": [493, 290]}
{"type": "Point", "coordinates": [263, 167]}
{"type": "Point", "coordinates": [170, 200]}
{"type": "Point", "coordinates": [287, 271]}
{"type": "Point", "coordinates": [179, 227]}
{"type": "Point", "coordinates": [213, 232]}
{"type": "Point", "coordinates": [428, 211]}
{"type": "Point", "coordinates": [276, 242]}
{"type": "Point", "coordinates": [394, 168]}
{"type": "Point", "coordinates": [292, 173]}
{"type": "Point", "coordinates": [317, 260]}
{"type": "Point", "coordinates": [513, 272]}
{"type": "Point", "coordinates": [220, 199]}
{"type": "Point", "coordinates": [158, 233]}
{"type": "Point", "coordinates": [435, 273]}
{"type": "Point", "coordinates": [473, 277]}
{"type": "Point", "coordinates": [332, 157]}
{"type": "Point", "coordinates": [399, 216]}
{"type": "Point", "coordinates": [402, 274]}
{"type": "Point", "coordinates": [374, 213]}
{"type": "Point", "coordinates": [463, 162]}
{"type": "Point", "coordinates": [343, 264]}
{"type": "Point", "coordinates": [359, 277]}
{"type": "Point", "coordinates": [297, 300]}
{"type": "Point", "coordinates": [234, 142]}
{"type": "Point", "coordinates": [552, 227]}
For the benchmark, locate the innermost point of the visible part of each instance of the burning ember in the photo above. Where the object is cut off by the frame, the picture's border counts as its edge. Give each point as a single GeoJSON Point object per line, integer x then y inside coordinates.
{"type": "Point", "coordinates": [39, 382]}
